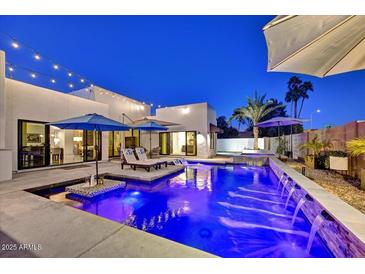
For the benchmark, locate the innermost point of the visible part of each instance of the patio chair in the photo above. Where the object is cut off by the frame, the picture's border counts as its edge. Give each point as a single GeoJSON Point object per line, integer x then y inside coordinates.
{"type": "Point", "coordinates": [141, 154]}
{"type": "Point", "coordinates": [128, 158]}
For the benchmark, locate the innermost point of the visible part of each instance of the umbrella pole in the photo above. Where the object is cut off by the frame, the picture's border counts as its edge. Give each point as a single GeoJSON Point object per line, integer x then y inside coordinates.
{"type": "Point", "coordinates": [150, 144]}
{"type": "Point", "coordinates": [97, 156]}
{"type": "Point", "coordinates": [291, 141]}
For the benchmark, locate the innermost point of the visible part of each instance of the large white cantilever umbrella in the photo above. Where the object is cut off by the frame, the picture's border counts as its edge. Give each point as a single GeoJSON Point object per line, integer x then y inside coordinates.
{"type": "Point", "coordinates": [316, 45]}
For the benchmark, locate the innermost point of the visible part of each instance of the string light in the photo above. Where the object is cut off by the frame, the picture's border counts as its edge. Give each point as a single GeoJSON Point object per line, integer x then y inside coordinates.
{"type": "Point", "coordinates": [53, 81]}
{"type": "Point", "coordinates": [11, 69]}
{"type": "Point", "coordinates": [14, 44]}
{"type": "Point", "coordinates": [69, 74]}
{"type": "Point", "coordinates": [151, 105]}
{"type": "Point", "coordinates": [159, 106]}
{"type": "Point", "coordinates": [82, 80]}
{"type": "Point", "coordinates": [71, 85]}
{"type": "Point", "coordinates": [37, 56]}
{"type": "Point", "coordinates": [33, 75]}
{"type": "Point", "coordinates": [55, 66]}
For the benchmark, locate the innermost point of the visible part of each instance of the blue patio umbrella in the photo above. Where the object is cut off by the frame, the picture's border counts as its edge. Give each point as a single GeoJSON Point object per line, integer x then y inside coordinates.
{"type": "Point", "coordinates": [151, 126]}
{"type": "Point", "coordinates": [94, 122]}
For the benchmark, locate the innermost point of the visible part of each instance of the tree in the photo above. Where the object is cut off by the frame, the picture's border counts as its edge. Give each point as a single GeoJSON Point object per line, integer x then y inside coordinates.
{"type": "Point", "coordinates": [228, 131]}
{"type": "Point", "coordinates": [297, 91]}
{"type": "Point", "coordinates": [256, 109]}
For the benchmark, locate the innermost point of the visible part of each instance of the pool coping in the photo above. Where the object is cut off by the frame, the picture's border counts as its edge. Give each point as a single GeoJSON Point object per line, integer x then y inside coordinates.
{"type": "Point", "coordinates": [351, 218]}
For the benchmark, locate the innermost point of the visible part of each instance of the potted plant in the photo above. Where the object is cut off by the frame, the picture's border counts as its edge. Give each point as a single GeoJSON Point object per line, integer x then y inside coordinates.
{"type": "Point", "coordinates": [357, 147]}
{"type": "Point", "coordinates": [315, 146]}
{"type": "Point", "coordinates": [282, 149]}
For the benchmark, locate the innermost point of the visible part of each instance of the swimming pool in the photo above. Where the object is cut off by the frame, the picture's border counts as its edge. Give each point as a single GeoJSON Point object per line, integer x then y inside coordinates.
{"type": "Point", "coordinates": [226, 210]}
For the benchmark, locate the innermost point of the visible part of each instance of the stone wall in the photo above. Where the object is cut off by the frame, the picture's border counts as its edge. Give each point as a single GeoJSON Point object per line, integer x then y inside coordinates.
{"type": "Point", "coordinates": [342, 242]}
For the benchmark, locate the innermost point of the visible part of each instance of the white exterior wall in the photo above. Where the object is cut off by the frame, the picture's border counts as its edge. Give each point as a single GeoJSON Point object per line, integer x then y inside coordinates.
{"type": "Point", "coordinates": [193, 117]}
{"type": "Point", "coordinates": [237, 144]}
{"type": "Point", "coordinates": [29, 102]}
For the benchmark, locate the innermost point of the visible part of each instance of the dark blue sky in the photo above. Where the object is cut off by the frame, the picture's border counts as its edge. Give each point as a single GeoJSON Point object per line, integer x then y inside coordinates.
{"type": "Point", "coordinates": [171, 60]}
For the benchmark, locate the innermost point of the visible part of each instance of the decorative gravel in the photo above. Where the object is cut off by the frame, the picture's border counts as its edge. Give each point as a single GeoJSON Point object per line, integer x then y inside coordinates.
{"type": "Point", "coordinates": [346, 189]}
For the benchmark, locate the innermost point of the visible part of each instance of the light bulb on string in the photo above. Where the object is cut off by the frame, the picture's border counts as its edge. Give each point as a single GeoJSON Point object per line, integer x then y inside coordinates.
{"type": "Point", "coordinates": [53, 81]}
{"type": "Point", "coordinates": [69, 74]}
{"type": "Point", "coordinates": [11, 69]}
{"type": "Point", "coordinates": [33, 75]}
{"type": "Point", "coordinates": [71, 85]}
{"type": "Point", "coordinates": [37, 56]}
{"type": "Point", "coordinates": [55, 66]}
{"type": "Point", "coordinates": [15, 44]}
{"type": "Point", "coordinates": [82, 80]}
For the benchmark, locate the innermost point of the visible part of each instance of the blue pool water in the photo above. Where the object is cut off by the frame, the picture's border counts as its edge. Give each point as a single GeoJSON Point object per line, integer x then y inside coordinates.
{"type": "Point", "coordinates": [230, 211]}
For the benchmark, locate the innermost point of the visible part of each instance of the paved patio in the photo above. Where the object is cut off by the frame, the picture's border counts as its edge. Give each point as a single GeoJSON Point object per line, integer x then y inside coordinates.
{"type": "Point", "coordinates": [63, 231]}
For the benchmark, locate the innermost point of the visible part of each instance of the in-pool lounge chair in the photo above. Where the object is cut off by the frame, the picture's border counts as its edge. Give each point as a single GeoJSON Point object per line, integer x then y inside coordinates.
{"type": "Point", "coordinates": [141, 154]}
{"type": "Point", "coordinates": [128, 158]}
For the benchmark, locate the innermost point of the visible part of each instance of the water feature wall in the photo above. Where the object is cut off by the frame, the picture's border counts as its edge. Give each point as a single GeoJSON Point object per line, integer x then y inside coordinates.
{"type": "Point", "coordinates": [340, 240]}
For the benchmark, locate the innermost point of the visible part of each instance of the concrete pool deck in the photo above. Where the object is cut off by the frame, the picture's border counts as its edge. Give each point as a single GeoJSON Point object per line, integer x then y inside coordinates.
{"type": "Point", "coordinates": [63, 231]}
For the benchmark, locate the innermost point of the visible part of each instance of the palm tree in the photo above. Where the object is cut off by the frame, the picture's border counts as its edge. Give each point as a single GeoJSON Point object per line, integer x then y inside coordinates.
{"type": "Point", "coordinates": [297, 90]}
{"type": "Point", "coordinates": [293, 93]}
{"type": "Point", "coordinates": [256, 109]}
{"type": "Point", "coordinates": [304, 88]}
{"type": "Point", "coordinates": [238, 116]}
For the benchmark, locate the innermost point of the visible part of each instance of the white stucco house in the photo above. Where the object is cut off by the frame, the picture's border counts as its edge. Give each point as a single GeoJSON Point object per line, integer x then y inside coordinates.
{"type": "Point", "coordinates": [27, 143]}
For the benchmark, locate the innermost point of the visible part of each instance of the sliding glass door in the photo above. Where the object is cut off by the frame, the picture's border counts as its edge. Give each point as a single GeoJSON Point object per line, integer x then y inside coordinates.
{"type": "Point", "coordinates": [191, 143]}
{"type": "Point", "coordinates": [115, 143]}
{"type": "Point", "coordinates": [182, 143]}
{"type": "Point", "coordinates": [66, 146]}
{"type": "Point", "coordinates": [32, 144]}
{"type": "Point", "coordinates": [91, 139]}
{"type": "Point", "coordinates": [40, 145]}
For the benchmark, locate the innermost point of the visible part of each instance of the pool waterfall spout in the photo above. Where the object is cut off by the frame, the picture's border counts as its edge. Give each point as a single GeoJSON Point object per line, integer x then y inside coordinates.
{"type": "Point", "coordinates": [289, 196]}
{"type": "Point", "coordinates": [316, 225]}
{"type": "Point", "coordinates": [286, 182]}
{"type": "Point", "coordinates": [281, 179]}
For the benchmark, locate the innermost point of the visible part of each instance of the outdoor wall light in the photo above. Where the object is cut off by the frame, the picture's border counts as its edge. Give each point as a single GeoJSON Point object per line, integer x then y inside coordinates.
{"type": "Point", "coordinates": [185, 110]}
{"type": "Point", "coordinates": [200, 139]}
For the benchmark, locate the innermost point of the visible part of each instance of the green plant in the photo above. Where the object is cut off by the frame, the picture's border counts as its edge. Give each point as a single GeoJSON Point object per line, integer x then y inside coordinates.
{"type": "Point", "coordinates": [283, 144]}
{"type": "Point", "coordinates": [315, 146]}
{"type": "Point", "coordinates": [356, 146]}
{"type": "Point", "coordinates": [255, 110]}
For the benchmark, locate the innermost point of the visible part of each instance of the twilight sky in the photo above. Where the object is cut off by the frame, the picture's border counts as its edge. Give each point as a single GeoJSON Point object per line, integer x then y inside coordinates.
{"type": "Point", "coordinates": [173, 60]}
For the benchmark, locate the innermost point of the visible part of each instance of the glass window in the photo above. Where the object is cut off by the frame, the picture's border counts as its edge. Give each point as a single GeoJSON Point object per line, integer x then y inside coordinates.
{"type": "Point", "coordinates": [115, 143]}
{"type": "Point", "coordinates": [178, 143]}
{"type": "Point", "coordinates": [164, 143]}
{"type": "Point", "coordinates": [131, 138]}
{"type": "Point", "coordinates": [212, 140]}
{"type": "Point", "coordinates": [32, 144]}
{"type": "Point", "coordinates": [66, 146]}
{"type": "Point", "coordinates": [91, 139]}
{"type": "Point", "coordinates": [191, 143]}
